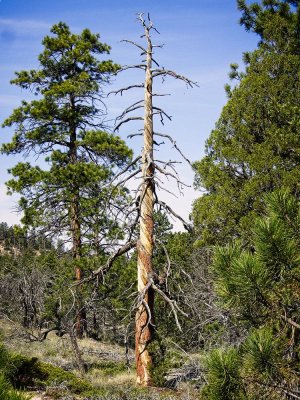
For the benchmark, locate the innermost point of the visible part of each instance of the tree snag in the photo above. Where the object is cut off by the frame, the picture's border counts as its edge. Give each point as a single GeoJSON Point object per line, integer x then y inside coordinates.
{"type": "Point", "coordinates": [144, 322]}
{"type": "Point", "coordinates": [147, 199]}
{"type": "Point", "coordinates": [140, 212]}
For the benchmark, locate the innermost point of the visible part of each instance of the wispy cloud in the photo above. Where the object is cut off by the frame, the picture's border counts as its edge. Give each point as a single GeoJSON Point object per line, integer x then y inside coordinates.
{"type": "Point", "coordinates": [23, 26]}
{"type": "Point", "coordinates": [24, 31]}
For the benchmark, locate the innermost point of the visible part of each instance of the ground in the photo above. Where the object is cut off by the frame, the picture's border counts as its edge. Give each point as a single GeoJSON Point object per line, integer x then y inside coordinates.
{"type": "Point", "coordinates": [110, 374]}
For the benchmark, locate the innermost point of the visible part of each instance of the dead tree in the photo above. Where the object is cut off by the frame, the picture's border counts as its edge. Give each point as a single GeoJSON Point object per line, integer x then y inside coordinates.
{"type": "Point", "coordinates": [147, 198]}
{"type": "Point", "coordinates": [149, 172]}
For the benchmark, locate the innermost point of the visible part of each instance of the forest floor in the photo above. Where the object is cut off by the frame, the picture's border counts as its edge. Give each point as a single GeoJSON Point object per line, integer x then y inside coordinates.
{"type": "Point", "coordinates": [110, 373]}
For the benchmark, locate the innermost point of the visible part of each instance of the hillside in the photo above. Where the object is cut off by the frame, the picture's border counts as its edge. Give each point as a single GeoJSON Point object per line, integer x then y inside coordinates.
{"type": "Point", "coordinates": [109, 373]}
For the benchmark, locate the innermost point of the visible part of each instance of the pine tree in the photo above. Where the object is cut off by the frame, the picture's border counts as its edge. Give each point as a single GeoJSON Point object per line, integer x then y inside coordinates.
{"type": "Point", "coordinates": [63, 124]}
{"type": "Point", "coordinates": [260, 289]}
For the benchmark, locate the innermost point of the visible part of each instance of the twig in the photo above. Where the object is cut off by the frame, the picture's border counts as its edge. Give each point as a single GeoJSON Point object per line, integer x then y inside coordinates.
{"type": "Point", "coordinates": [187, 226]}
{"type": "Point", "coordinates": [103, 269]}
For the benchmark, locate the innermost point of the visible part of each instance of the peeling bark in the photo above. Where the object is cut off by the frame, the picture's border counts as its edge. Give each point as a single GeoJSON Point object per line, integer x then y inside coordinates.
{"type": "Point", "coordinates": [144, 321]}
{"type": "Point", "coordinates": [146, 199]}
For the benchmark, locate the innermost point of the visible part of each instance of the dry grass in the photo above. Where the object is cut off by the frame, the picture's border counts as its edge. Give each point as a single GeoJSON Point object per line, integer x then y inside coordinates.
{"type": "Point", "coordinates": [54, 350]}
{"type": "Point", "coordinates": [105, 361]}
{"type": "Point", "coordinates": [122, 379]}
{"type": "Point", "coordinates": [106, 365]}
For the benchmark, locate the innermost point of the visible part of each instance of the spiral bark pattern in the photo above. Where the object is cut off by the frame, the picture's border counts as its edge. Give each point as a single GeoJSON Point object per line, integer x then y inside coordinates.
{"type": "Point", "coordinates": [145, 315]}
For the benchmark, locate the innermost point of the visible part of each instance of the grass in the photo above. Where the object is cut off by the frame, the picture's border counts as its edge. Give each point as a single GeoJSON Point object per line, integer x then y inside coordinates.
{"type": "Point", "coordinates": [108, 359]}
{"type": "Point", "coordinates": [51, 368]}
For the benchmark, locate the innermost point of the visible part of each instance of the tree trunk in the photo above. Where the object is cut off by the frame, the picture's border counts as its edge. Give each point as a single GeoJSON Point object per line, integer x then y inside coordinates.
{"type": "Point", "coordinates": [77, 353]}
{"type": "Point", "coordinates": [146, 200]}
{"type": "Point", "coordinates": [145, 315]}
{"type": "Point", "coordinates": [80, 323]}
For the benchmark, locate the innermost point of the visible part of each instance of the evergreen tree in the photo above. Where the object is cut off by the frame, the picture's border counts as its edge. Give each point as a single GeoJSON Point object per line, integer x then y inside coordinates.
{"type": "Point", "coordinates": [254, 147]}
{"type": "Point", "coordinates": [62, 125]}
{"type": "Point", "coordinates": [260, 289]}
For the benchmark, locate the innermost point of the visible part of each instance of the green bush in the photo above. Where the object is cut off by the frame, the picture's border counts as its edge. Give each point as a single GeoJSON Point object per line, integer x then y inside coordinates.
{"type": "Point", "coordinates": [261, 355]}
{"type": "Point", "coordinates": [224, 381]}
{"type": "Point", "coordinates": [7, 392]}
{"type": "Point", "coordinates": [56, 375]}
{"type": "Point", "coordinates": [260, 289]}
{"type": "Point", "coordinates": [23, 372]}
{"type": "Point", "coordinates": [4, 357]}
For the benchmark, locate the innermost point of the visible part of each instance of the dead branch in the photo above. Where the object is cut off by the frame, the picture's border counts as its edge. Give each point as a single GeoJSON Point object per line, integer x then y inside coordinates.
{"type": "Point", "coordinates": [169, 164]}
{"type": "Point", "coordinates": [167, 72]}
{"type": "Point", "coordinates": [290, 321]}
{"type": "Point", "coordinates": [161, 94]}
{"type": "Point", "coordinates": [127, 120]}
{"type": "Point", "coordinates": [134, 134]}
{"type": "Point", "coordinates": [162, 113]}
{"type": "Point", "coordinates": [166, 173]}
{"type": "Point", "coordinates": [103, 269]}
{"type": "Point", "coordinates": [172, 304]}
{"type": "Point", "coordinates": [149, 315]}
{"type": "Point", "coordinates": [160, 187]}
{"type": "Point", "coordinates": [174, 144]}
{"type": "Point", "coordinates": [126, 67]}
{"type": "Point", "coordinates": [120, 183]}
{"type": "Point", "coordinates": [131, 108]}
{"type": "Point", "coordinates": [125, 89]}
{"type": "Point", "coordinates": [187, 226]}
{"type": "Point", "coordinates": [135, 44]}
{"type": "Point", "coordinates": [43, 335]}
{"type": "Point", "coordinates": [149, 26]}
{"type": "Point", "coordinates": [125, 169]}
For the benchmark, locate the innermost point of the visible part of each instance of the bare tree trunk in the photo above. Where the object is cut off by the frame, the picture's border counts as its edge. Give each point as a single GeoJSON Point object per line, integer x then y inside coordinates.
{"type": "Point", "coordinates": [145, 315]}
{"type": "Point", "coordinates": [145, 201]}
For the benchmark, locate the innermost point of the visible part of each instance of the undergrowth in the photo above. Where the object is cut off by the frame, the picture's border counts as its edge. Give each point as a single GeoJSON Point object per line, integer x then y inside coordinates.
{"type": "Point", "coordinates": [105, 379]}
{"type": "Point", "coordinates": [7, 391]}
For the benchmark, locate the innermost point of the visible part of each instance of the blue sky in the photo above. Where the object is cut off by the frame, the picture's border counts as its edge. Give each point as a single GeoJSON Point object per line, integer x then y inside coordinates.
{"type": "Point", "coordinates": [201, 37]}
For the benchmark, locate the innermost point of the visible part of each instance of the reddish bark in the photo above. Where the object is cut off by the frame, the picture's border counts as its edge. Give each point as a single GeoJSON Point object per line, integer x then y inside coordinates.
{"type": "Point", "coordinates": [145, 313]}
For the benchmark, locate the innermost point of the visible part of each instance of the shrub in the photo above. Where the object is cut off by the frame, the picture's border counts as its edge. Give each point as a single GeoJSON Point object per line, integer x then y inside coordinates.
{"type": "Point", "coordinates": [23, 372]}
{"type": "Point", "coordinates": [7, 392]}
{"type": "Point", "coordinates": [224, 381]}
